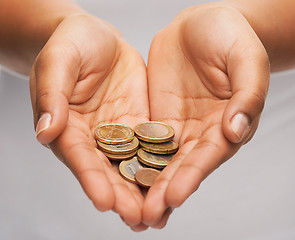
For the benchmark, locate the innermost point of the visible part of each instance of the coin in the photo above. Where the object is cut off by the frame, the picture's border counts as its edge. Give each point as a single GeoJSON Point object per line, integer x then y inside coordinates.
{"type": "Point", "coordinates": [123, 148]}
{"type": "Point", "coordinates": [154, 132]}
{"type": "Point", "coordinates": [160, 148]}
{"type": "Point", "coordinates": [146, 176]}
{"type": "Point", "coordinates": [119, 157]}
{"type": "Point", "coordinates": [129, 168]}
{"type": "Point", "coordinates": [154, 160]}
{"type": "Point", "coordinates": [114, 133]}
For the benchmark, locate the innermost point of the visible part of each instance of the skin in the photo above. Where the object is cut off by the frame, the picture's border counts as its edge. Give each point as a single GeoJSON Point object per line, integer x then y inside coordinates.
{"type": "Point", "coordinates": [83, 74]}
{"type": "Point", "coordinates": [205, 83]}
{"type": "Point", "coordinates": [273, 21]}
{"type": "Point", "coordinates": [89, 81]}
{"type": "Point", "coordinates": [210, 64]}
{"type": "Point", "coordinates": [25, 26]}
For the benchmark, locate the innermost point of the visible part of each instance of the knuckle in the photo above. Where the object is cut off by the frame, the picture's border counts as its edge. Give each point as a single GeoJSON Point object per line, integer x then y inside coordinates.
{"type": "Point", "coordinates": [48, 98]}
{"type": "Point", "coordinates": [47, 55]}
{"type": "Point", "coordinates": [258, 99]}
{"type": "Point", "coordinates": [161, 183]}
{"type": "Point", "coordinates": [44, 96]}
{"type": "Point", "coordinates": [55, 53]}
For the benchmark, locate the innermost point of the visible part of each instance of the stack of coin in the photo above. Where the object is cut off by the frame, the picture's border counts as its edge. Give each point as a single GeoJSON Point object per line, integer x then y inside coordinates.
{"type": "Point", "coordinates": [157, 146]}
{"type": "Point", "coordinates": [118, 143]}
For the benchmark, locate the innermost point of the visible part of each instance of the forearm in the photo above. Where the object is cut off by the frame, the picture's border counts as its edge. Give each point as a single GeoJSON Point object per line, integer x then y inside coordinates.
{"type": "Point", "coordinates": [25, 26]}
{"type": "Point", "coordinates": [273, 21]}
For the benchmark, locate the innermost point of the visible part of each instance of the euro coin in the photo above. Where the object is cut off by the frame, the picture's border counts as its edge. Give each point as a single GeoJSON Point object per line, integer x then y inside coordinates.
{"type": "Point", "coordinates": [145, 177]}
{"type": "Point", "coordinates": [114, 133]}
{"type": "Point", "coordinates": [160, 148]}
{"type": "Point", "coordinates": [119, 157]}
{"type": "Point", "coordinates": [128, 169]}
{"type": "Point", "coordinates": [154, 160]}
{"type": "Point", "coordinates": [123, 148]}
{"type": "Point", "coordinates": [154, 132]}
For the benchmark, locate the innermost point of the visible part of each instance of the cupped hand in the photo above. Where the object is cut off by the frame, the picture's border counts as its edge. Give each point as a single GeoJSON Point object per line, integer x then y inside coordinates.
{"type": "Point", "coordinates": [87, 75]}
{"type": "Point", "coordinates": [208, 77]}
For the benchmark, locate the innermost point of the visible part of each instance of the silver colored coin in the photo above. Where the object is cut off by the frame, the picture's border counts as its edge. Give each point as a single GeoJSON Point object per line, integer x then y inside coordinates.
{"type": "Point", "coordinates": [129, 168]}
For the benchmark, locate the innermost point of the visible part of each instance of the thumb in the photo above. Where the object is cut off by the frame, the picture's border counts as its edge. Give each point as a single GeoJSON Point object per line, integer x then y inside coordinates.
{"type": "Point", "coordinates": [52, 81]}
{"type": "Point", "coordinates": [249, 77]}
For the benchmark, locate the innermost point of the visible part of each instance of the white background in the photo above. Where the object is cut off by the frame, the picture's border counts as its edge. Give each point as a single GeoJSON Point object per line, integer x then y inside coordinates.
{"type": "Point", "coordinates": [252, 196]}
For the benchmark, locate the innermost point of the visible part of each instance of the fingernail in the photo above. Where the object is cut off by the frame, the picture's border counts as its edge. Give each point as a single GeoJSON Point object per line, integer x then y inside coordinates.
{"type": "Point", "coordinates": [139, 228]}
{"type": "Point", "coordinates": [43, 123]}
{"type": "Point", "coordinates": [240, 124]}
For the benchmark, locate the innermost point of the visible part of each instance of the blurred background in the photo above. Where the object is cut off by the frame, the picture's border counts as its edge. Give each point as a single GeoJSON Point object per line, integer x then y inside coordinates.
{"type": "Point", "coordinates": [251, 196]}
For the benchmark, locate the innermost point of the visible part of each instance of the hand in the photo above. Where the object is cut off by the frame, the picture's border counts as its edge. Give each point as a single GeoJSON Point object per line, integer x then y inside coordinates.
{"type": "Point", "coordinates": [87, 75]}
{"type": "Point", "coordinates": [212, 72]}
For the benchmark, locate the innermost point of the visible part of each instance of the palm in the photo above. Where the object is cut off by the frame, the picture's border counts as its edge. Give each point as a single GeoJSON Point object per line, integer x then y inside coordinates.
{"type": "Point", "coordinates": [110, 87]}
{"type": "Point", "coordinates": [197, 90]}
{"type": "Point", "coordinates": [189, 66]}
{"type": "Point", "coordinates": [113, 101]}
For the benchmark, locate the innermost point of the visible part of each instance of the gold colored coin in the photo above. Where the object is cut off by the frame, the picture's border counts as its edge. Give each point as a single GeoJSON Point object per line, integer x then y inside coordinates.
{"type": "Point", "coordinates": [123, 148]}
{"type": "Point", "coordinates": [154, 132]}
{"type": "Point", "coordinates": [114, 133]}
{"type": "Point", "coordinates": [160, 148]}
{"type": "Point", "coordinates": [154, 160]}
{"type": "Point", "coordinates": [145, 177]}
{"type": "Point", "coordinates": [129, 168]}
{"type": "Point", "coordinates": [119, 157]}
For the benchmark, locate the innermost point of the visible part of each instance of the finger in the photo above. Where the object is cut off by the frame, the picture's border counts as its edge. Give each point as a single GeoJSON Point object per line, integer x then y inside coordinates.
{"type": "Point", "coordinates": [249, 77]}
{"type": "Point", "coordinates": [126, 205]}
{"type": "Point", "coordinates": [53, 78]}
{"type": "Point", "coordinates": [88, 166]}
{"type": "Point", "coordinates": [207, 155]}
{"type": "Point", "coordinates": [128, 197]}
{"type": "Point", "coordinates": [138, 196]}
{"type": "Point", "coordinates": [163, 221]}
{"type": "Point", "coordinates": [155, 204]}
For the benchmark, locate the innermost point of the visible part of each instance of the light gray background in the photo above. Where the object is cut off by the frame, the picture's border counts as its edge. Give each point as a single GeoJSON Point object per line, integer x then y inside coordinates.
{"type": "Point", "coordinates": [251, 196]}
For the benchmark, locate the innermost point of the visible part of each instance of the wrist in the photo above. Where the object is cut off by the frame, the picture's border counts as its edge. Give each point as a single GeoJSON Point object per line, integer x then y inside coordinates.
{"type": "Point", "coordinates": [26, 28]}
{"type": "Point", "coordinates": [273, 23]}
{"type": "Point", "coordinates": [42, 23]}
